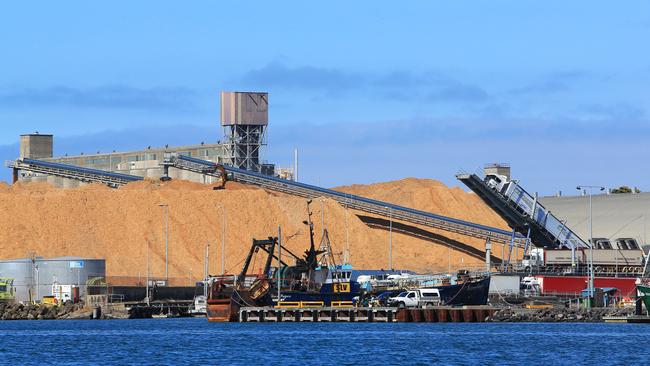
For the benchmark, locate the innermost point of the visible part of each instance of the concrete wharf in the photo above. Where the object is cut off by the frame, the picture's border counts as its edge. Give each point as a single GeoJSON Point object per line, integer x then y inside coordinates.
{"type": "Point", "coordinates": [437, 314]}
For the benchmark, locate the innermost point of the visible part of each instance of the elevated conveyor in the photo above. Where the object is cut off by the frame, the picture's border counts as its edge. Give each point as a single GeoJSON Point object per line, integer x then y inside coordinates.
{"type": "Point", "coordinates": [71, 172]}
{"type": "Point", "coordinates": [176, 161]}
{"type": "Point", "coordinates": [380, 208]}
{"type": "Point", "coordinates": [522, 211]}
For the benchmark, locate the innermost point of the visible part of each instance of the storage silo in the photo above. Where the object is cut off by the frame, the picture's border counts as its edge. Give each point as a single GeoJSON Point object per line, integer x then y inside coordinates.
{"type": "Point", "coordinates": [34, 277]}
{"type": "Point", "coordinates": [20, 270]}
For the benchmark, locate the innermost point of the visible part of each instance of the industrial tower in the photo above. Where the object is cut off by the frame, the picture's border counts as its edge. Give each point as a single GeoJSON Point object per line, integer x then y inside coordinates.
{"type": "Point", "coordinates": [244, 117]}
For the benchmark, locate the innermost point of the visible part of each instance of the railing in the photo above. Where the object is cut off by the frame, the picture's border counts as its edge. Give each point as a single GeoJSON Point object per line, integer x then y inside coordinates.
{"type": "Point", "coordinates": [299, 304]}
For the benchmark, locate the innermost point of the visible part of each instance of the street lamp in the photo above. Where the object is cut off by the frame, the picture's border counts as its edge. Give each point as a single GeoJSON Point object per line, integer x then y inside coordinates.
{"type": "Point", "coordinates": [591, 244]}
{"type": "Point", "coordinates": [206, 269]}
{"type": "Point", "coordinates": [166, 211]}
{"type": "Point", "coordinates": [390, 238]}
{"type": "Point", "coordinates": [148, 298]}
{"type": "Point", "coordinates": [346, 255]}
{"type": "Point", "coordinates": [223, 239]}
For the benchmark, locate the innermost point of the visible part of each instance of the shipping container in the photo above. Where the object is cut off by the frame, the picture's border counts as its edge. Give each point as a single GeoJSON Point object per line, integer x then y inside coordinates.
{"type": "Point", "coordinates": [573, 285]}
{"type": "Point", "coordinates": [505, 284]}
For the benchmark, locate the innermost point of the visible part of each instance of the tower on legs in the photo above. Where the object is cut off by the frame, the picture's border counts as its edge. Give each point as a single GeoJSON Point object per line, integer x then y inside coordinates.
{"type": "Point", "coordinates": [244, 118]}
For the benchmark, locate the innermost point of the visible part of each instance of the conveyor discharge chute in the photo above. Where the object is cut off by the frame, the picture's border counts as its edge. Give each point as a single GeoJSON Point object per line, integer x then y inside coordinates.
{"type": "Point", "coordinates": [522, 211]}
{"type": "Point", "coordinates": [380, 208]}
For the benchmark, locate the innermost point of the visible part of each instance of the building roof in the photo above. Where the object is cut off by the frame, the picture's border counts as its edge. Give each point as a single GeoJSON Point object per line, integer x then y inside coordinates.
{"type": "Point", "coordinates": [623, 215]}
{"type": "Point", "coordinates": [148, 150]}
{"type": "Point", "coordinates": [43, 259]}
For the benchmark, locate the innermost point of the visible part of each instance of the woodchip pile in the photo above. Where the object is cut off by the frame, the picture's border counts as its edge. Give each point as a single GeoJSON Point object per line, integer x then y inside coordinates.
{"type": "Point", "coordinates": [119, 225]}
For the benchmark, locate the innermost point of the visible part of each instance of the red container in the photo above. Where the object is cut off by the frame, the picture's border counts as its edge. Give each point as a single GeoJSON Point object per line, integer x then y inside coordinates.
{"type": "Point", "coordinates": [573, 285]}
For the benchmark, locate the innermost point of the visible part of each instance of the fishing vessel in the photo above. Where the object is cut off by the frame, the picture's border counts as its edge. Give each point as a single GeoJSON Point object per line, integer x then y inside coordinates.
{"type": "Point", "coordinates": [314, 277]}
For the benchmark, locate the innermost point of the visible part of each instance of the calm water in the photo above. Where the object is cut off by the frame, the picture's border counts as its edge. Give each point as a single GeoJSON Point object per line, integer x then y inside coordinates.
{"type": "Point", "coordinates": [194, 341]}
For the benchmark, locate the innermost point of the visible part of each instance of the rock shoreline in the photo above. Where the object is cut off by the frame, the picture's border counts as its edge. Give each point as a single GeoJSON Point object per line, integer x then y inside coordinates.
{"type": "Point", "coordinates": [38, 312]}
{"type": "Point", "coordinates": [556, 315]}
{"type": "Point", "coordinates": [504, 315]}
{"type": "Point", "coordinates": [59, 312]}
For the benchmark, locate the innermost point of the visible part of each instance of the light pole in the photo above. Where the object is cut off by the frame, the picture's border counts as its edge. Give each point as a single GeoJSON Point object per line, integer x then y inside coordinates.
{"type": "Point", "coordinates": [346, 256]}
{"type": "Point", "coordinates": [166, 211]}
{"type": "Point", "coordinates": [390, 238]}
{"type": "Point", "coordinates": [148, 300]}
{"type": "Point", "coordinates": [591, 244]}
{"type": "Point", "coordinates": [206, 270]}
{"type": "Point", "coordinates": [279, 262]}
{"type": "Point", "coordinates": [223, 238]}
{"type": "Point", "coordinates": [322, 216]}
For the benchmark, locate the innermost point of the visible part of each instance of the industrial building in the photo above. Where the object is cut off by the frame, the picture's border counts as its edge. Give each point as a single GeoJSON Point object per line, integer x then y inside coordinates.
{"type": "Point", "coordinates": [614, 215]}
{"type": "Point", "coordinates": [33, 278]}
{"type": "Point", "coordinates": [244, 120]}
{"type": "Point", "coordinates": [620, 215]}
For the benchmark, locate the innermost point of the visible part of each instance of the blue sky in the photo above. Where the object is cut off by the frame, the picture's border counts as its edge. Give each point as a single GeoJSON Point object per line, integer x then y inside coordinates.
{"type": "Point", "coordinates": [368, 91]}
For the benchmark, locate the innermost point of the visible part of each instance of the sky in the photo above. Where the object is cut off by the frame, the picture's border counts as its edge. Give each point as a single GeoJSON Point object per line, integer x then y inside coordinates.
{"type": "Point", "coordinates": [367, 91]}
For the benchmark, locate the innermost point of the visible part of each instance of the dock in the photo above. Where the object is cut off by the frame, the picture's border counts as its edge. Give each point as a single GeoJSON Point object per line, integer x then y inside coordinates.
{"type": "Point", "coordinates": [627, 319]}
{"type": "Point", "coordinates": [437, 314]}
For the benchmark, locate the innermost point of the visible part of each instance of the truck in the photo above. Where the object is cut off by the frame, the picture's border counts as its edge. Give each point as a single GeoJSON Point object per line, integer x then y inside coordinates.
{"type": "Point", "coordinates": [7, 293]}
{"type": "Point", "coordinates": [416, 298]}
{"type": "Point", "coordinates": [621, 256]}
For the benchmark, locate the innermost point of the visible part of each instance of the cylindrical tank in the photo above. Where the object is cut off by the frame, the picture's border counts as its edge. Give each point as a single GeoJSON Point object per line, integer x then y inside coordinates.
{"type": "Point", "coordinates": [20, 270]}
{"type": "Point", "coordinates": [33, 278]}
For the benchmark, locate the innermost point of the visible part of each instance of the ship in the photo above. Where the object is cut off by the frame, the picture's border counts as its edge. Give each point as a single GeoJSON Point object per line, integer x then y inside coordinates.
{"type": "Point", "coordinates": [314, 277]}
{"type": "Point", "coordinates": [644, 293]}
{"type": "Point", "coordinates": [460, 289]}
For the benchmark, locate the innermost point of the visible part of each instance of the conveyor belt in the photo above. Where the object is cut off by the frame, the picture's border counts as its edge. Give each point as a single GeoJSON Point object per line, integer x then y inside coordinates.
{"type": "Point", "coordinates": [73, 172]}
{"type": "Point", "coordinates": [545, 229]}
{"type": "Point", "coordinates": [376, 207]}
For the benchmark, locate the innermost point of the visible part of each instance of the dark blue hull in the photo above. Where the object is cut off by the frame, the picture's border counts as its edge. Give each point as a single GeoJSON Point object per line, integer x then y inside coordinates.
{"type": "Point", "coordinates": [469, 293]}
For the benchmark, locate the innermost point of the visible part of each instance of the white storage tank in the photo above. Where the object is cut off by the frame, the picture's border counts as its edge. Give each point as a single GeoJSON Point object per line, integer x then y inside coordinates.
{"type": "Point", "coordinates": [34, 277]}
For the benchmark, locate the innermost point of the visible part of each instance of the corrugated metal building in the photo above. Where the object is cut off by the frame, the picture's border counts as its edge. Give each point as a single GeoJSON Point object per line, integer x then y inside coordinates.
{"type": "Point", "coordinates": [34, 277]}
{"type": "Point", "coordinates": [623, 215]}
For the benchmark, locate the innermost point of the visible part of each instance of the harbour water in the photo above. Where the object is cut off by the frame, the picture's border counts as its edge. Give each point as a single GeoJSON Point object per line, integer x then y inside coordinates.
{"type": "Point", "coordinates": [195, 341]}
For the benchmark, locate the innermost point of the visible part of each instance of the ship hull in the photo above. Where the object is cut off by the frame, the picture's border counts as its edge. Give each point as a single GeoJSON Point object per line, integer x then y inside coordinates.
{"type": "Point", "coordinates": [468, 293]}
{"type": "Point", "coordinates": [222, 310]}
{"type": "Point", "coordinates": [644, 292]}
